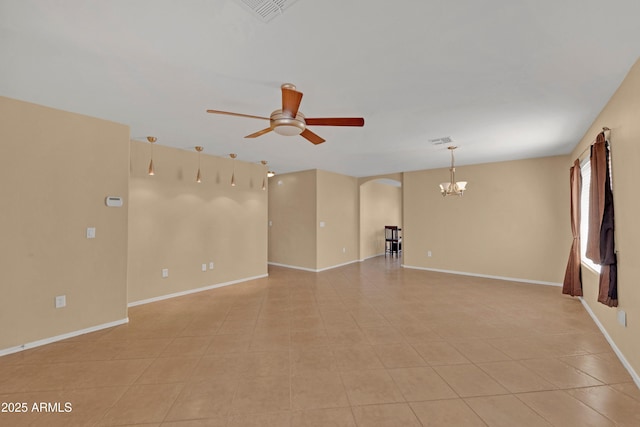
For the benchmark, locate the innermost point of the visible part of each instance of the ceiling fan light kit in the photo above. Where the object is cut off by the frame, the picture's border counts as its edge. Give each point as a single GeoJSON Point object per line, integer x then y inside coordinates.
{"type": "Point", "coordinates": [284, 125]}
{"type": "Point", "coordinates": [288, 121]}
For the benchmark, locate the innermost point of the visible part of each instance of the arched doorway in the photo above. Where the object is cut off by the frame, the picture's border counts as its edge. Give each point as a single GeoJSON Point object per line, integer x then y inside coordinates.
{"type": "Point", "coordinates": [380, 205]}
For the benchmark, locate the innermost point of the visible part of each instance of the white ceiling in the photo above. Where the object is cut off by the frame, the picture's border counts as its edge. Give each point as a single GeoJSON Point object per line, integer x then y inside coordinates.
{"type": "Point", "coordinates": [505, 79]}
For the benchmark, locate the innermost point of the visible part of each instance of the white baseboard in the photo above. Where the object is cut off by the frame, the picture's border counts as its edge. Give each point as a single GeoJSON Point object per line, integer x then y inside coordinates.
{"type": "Point", "coordinates": [487, 276]}
{"type": "Point", "coordinates": [616, 350]}
{"type": "Point", "coordinates": [371, 256]}
{"type": "Point", "coordinates": [338, 265]}
{"type": "Point", "coordinates": [193, 291]}
{"type": "Point", "coordinates": [50, 340]}
{"type": "Point", "coordinates": [295, 267]}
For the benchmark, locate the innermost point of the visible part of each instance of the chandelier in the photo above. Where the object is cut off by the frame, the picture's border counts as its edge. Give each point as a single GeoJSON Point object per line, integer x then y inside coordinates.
{"type": "Point", "coordinates": [452, 188]}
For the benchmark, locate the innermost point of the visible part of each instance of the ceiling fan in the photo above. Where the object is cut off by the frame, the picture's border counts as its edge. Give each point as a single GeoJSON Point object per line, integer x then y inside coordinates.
{"type": "Point", "coordinates": [289, 121]}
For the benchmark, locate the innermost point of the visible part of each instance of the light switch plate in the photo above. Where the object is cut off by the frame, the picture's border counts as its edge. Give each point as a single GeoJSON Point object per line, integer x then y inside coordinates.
{"type": "Point", "coordinates": [165, 272]}
{"type": "Point", "coordinates": [204, 267]}
{"type": "Point", "coordinates": [622, 318]}
{"type": "Point", "coordinates": [91, 232]}
{"type": "Point", "coordinates": [211, 265]}
{"type": "Point", "coordinates": [61, 301]}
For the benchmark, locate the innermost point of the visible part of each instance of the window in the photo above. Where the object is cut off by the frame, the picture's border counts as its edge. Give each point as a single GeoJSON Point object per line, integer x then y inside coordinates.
{"type": "Point", "coordinates": [585, 170]}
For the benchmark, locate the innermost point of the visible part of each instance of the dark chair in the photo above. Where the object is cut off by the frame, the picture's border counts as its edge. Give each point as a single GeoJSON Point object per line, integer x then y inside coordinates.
{"type": "Point", "coordinates": [392, 240]}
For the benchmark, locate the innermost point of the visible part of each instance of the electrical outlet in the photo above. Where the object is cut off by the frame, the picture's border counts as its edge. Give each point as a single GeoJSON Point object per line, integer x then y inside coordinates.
{"type": "Point", "coordinates": [204, 267]}
{"type": "Point", "coordinates": [211, 265]}
{"type": "Point", "coordinates": [428, 253]}
{"type": "Point", "coordinates": [61, 301]}
{"type": "Point", "coordinates": [165, 273]}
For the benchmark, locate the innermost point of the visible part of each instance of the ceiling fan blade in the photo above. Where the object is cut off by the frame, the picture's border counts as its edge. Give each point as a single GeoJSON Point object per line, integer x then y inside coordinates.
{"type": "Point", "coordinates": [335, 121]}
{"type": "Point", "coordinates": [312, 137]}
{"type": "Point", "coordinates": [290, 101]}
{"type": "Point", "coordinates": [259, 133]}
{"type": "Point", "coordinates": [236, 114]}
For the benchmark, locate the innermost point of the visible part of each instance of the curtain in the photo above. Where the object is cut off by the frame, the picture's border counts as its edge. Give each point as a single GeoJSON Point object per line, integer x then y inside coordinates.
{"type": "Point", "coordinates": [572, 284]}
{"type": "Point", "coordinates": [600, 241]}
{"type": "Point", "coordinates": [596, 198]}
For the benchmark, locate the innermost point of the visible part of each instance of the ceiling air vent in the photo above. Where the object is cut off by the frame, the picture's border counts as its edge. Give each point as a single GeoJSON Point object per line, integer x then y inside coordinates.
{"type": "Point", "coordinates": [441, 141]}
{"type": "Point", "coordinates": [266, 10]}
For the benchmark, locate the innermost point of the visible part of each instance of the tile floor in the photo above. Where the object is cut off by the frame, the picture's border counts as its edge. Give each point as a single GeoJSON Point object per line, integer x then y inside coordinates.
{"type": "Point", "coordinates": [369, 344]}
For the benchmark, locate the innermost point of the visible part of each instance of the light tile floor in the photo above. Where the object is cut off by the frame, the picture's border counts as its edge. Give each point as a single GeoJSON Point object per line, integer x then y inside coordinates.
{"type": "Point", "coordinates": [369, 344]}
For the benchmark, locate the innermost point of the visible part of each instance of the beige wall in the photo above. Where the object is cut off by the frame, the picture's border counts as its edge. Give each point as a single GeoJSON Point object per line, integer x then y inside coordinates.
{"type": "Point", "coordinates": [292, 215]}
{"type": "Point", "coordinates": [298, 202]}
{"type": "Point", "coordinates": [337, 207]}
{"type": "Point", "coordinates": [621, 115]}
{"type": "Point", "coordinates": [512, 221]}
{"type": "Point", "coordinates": [178, 224]}
{"type": "Point", "coordinates": [56, 169]}
{"type": "Point", "coordinates": [380, 205]}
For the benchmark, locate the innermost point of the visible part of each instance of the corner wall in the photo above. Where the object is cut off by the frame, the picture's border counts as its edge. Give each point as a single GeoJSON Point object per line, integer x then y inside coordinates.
{"type": "Point", "coordinates": [179, 225]}
{"type": "Point", "coordinates": [314, 220]}
{"type": "Point", "coordinates": [292, 219]}
{"type": "Point", "coordinates": [337, 208]}
{"type": "Point", "coordinates": [56, 169]}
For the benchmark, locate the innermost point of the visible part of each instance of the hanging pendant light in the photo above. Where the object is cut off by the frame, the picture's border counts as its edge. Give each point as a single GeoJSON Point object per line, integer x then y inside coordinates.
{"type": "Point", "coordinates": [264, 178]}
{"type": "Point", "coordinates": [233, 174]}
{"type": "Point", "coordinates": [199, 176]}
{"type": "Point", "coordinates": [152, 140]}
{"type": "Point", "coordinates": [453, 188]}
